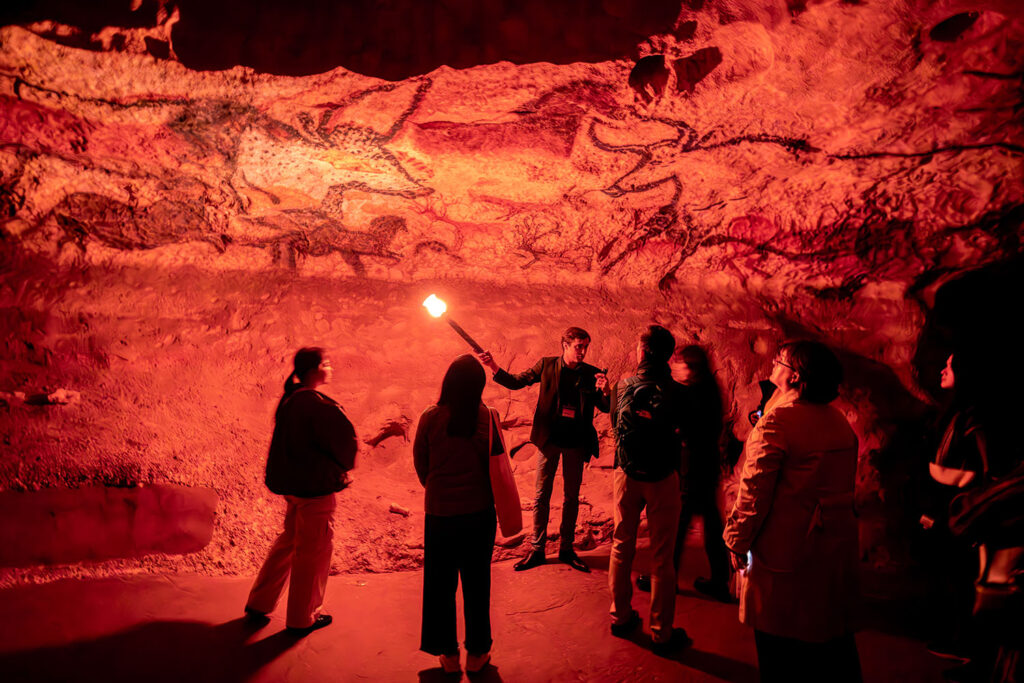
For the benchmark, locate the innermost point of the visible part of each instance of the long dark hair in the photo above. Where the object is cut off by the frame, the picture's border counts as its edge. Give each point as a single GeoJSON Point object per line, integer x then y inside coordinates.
{"type": "Point", "coordinates": [984, 382]}
{"type": "Point", "coordinates": [461, 389]}
{"type": "Point", "coordinates": [968, 379]}
{"type": "Point", "coordinates": [307, 359]}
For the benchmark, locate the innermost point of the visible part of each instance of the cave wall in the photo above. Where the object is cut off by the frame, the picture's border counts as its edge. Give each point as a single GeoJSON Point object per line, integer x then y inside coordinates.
{"type": "Point", "coordinates": [753, 171]}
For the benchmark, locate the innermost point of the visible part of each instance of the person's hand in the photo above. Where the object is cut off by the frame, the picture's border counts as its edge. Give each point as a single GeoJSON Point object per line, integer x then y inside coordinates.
{"type": "Point", "coordinates": [601, 382]}
{"type": "Point", "coordinates": [487, 360]}
{"type": "Point", "coordinates": [738, 561]}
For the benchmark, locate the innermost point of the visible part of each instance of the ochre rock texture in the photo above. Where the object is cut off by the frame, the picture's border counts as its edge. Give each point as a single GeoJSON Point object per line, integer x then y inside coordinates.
{"type": "Point", "coordinates": [57, 526]}
{"type": "Point", "coordinates": [755, 170]}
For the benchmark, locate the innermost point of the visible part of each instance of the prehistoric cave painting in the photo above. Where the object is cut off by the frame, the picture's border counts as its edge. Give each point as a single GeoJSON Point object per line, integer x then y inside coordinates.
{"type": "Point", "coordinates": [656, 167]}
{"type": "Point", "coordinates": [216, 132]}
{"type": "Point", "coordinates": [261, 152]}
{"type": "Point", "coordinates": [82, 216]}
{"type": "Point", "coordinates": [366, 145]}
{"type": "Point", "coordinates": [313, 233]}
{"type": "Point", "coordinates": [544, 236]}
{"type": "Point", "coordinates": [548, 124]}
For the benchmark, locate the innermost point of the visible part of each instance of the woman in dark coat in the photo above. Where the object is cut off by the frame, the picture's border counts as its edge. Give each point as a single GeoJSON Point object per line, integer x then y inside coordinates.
{"type": "Point", "coordinates": [450, 452]}
{"type": "Point", "coordinates": [312, 450]}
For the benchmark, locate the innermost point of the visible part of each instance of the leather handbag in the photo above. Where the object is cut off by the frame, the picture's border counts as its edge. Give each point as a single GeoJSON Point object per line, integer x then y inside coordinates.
{"type": "Point", "coordinates": [503, 483]}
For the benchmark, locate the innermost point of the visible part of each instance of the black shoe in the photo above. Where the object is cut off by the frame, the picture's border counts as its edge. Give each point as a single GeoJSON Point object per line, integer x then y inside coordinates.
{"type": "Point", "coordinates": [713, 589]}
{"type": "Point", "coordinates": [320, 621]}
{"type": "Point", "coordinates": [534, 559]}
{"type": "Point", "coordinates": [676, 642]}
{"type": "Point", "coordinates": [255, 616]}
{"type": "Point", "coordinates": [624, 630]}
{"type": "Point", "coordinates": [570, 558]}
{"type": "Point", "coordinates": [643, 583]}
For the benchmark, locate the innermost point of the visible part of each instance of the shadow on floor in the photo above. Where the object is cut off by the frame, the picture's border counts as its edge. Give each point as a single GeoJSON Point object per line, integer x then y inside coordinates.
{"type": "Point", "coordinates": [718, 666]}
{"type": "Point", "coordinates": [169, 651]}
{"type": "Point", "coordinates": [489, 674]}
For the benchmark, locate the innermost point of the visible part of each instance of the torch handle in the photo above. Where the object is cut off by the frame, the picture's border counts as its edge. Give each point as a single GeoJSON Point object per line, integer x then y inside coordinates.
{"type": "Point", "coordinates": [462, 333]}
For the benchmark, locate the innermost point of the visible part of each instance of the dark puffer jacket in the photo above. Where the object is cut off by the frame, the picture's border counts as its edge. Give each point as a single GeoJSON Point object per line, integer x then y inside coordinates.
{"type": "Point", "coordinates": [313, 447]}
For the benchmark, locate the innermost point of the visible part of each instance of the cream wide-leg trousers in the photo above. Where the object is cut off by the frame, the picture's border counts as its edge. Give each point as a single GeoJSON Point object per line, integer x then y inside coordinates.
{"type": "Point", "coordinates": [663, 503]}
{"type": "Point", "coordinates": [303, 550]}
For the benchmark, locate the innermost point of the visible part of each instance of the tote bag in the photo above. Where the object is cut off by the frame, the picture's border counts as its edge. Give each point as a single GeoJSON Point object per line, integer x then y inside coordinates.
{"type": "Point", "coordinates": [503, 484]}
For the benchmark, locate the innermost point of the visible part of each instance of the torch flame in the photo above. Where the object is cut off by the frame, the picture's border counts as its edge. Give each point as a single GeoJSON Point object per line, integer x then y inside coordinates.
{"type": "Point", "coordinates": [436, 307]}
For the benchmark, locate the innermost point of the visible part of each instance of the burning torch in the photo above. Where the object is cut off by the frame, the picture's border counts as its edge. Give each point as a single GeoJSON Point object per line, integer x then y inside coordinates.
{"type": "Point", "coordinates": [436, 307]}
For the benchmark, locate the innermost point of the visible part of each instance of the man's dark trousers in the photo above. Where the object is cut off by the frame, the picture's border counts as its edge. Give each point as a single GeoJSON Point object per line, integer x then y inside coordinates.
{"type": "Point", "coordinates": [572, 476]}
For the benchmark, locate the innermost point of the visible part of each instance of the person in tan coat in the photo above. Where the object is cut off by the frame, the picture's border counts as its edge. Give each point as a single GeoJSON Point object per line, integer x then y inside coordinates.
{"type": "Point", "coordinates": [792, 531]}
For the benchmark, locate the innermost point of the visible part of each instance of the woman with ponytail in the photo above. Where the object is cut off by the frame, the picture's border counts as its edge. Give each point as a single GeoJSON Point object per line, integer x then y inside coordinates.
{"type": "Point", "coordinates": [311, 452]}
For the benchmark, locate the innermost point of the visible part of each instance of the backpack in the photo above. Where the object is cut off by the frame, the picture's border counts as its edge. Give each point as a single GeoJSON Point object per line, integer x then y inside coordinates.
{"type": "Point", "coordinates": [647, 429]}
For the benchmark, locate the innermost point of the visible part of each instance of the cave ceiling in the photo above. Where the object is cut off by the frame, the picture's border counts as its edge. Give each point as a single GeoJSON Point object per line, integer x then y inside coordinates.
{"type": "Point", "coordinates": [829, 148]}
{"type": "Point", "coordinates": [850, 143]}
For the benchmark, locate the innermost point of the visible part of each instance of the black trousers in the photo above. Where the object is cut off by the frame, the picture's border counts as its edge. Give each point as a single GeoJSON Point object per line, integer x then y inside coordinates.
{"type": "Point", "coordinates": [788, 660]}
{"type": "Point", "coordinates": [457, 547]}
{"type": "Point", "coordinates": [703, 504]}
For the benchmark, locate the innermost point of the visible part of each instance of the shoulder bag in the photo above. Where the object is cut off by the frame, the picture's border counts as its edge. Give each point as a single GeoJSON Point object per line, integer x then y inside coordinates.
{"type": "Point", "coordinates": [503, 483]}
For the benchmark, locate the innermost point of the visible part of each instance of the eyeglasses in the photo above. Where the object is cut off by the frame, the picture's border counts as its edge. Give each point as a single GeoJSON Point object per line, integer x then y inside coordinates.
{"type": "Point", "coordinates": [785, 365]}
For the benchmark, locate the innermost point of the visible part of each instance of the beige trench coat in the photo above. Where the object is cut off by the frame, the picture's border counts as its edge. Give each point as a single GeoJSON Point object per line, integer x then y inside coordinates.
{"type": "Point", "coordinates": [794, 513]}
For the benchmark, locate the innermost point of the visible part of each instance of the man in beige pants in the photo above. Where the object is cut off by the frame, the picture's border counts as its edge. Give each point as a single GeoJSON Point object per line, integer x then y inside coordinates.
{"type": "Point", "coordinates": [646, 412]}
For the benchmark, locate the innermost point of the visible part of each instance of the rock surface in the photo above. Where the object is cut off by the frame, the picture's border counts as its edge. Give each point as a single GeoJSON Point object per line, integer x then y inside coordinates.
{"type": "Point", "coordinates": [762, 170]}
{"type": "Point", "coordinates": [58, 526]}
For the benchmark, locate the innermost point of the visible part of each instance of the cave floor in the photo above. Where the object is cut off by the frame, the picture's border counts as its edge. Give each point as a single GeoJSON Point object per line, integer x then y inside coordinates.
{"type": "Point", "coordinates": [549, 624]}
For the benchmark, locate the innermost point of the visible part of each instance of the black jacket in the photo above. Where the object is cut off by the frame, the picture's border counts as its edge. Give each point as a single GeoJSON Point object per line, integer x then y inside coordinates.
{"type": "Point", "coordinates": [313, 447]}
{"type": "Point", "coordinates": [548, 371]}
{"type": "Point", "coordinates": [674, 394]}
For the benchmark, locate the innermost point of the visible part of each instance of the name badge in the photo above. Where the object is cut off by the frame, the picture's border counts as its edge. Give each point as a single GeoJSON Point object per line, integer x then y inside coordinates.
{"type": "Point", "coordinates": [568, 411]}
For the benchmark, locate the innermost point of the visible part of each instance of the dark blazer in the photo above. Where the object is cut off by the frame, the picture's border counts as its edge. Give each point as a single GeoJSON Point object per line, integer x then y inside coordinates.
{"type": "Point", "coordinates": [548, 371]}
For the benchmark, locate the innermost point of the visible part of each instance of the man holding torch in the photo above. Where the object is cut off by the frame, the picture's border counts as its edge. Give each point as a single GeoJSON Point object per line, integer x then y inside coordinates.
{"type": "Point", "coordinates": [563, 427]}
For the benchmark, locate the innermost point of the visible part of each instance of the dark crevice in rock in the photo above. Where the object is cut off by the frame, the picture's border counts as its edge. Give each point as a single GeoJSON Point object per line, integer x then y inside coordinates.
{"type": "Point", "coordinates": [686, 30]}
{"type": "Point", "coordinates": [160, 49]}
{"type": "Point", "coordinates": [1017, 75]}
{"type": "Point", "coordinates": [649, 77]}
{"type": "Point", "coordinates": [952, 28]}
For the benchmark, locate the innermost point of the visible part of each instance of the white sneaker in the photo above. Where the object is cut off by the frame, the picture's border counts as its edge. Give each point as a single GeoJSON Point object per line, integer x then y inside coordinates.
{"type": "Point", "coordinates": [474, 663]}
{"type": "Point", "coordinates": [450, 663]}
